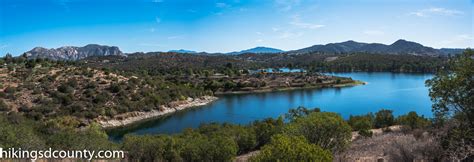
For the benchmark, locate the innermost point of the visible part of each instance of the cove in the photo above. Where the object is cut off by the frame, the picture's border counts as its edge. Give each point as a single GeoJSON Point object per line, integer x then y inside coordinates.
{"type": "Point", "coordinates": [400, 92]}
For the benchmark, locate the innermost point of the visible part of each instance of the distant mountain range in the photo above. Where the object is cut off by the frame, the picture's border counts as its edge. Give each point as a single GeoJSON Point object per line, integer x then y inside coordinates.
{"type": "Point", "coordinates": [399, 47]}
{"type": "Point", "coordinates": [73, 53]}
{"type": "Point", "coordinates": [260, 50]}
{"type": "Point", "coordinates": [182, 51]}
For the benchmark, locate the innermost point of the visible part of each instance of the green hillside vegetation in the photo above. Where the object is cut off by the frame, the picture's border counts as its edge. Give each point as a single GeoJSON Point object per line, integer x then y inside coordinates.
{"type": "Point", "coordinates": [192, 64]}
{"type": "Point", "coordinates": [43, 90]}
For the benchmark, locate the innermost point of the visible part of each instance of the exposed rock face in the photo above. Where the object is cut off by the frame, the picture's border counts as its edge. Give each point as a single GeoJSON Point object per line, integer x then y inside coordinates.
{"type": "Point", "coordinates": [73, 53]}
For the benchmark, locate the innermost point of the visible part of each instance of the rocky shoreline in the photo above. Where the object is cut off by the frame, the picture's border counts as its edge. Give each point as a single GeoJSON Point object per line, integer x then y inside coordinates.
{"type": "Point", "coordinates": [133, 117]}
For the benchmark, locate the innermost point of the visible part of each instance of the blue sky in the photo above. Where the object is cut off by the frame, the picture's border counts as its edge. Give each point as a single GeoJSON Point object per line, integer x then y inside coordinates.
{"type": "Point", "coordinates": [230, 25]}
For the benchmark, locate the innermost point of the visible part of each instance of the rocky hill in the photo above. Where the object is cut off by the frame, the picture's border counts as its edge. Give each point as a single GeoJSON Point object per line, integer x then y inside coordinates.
{"type": "Point", "coordinates": [73, 53]}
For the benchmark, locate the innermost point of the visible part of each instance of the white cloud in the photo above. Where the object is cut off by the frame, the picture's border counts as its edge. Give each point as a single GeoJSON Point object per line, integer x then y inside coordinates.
{"type": "Point", "coordinates": [259, 33]}
{"type": "Point", "coordinates": [374, 32]}
{"type": "Point", "coordinates": [436, 11]}
{"type": "Point", "coordinates": [259, 40]}
{"type": "Point", "coordinates": [275, 29]}
{"type": "Point", "coordinates": [297, 22]}
{"type": "Point", "coordinates": [222, 5]}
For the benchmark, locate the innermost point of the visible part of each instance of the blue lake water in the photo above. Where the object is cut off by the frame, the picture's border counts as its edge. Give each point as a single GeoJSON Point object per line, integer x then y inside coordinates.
{"type": "Point", "coordinates": [282, 70]}
{"type": "Point", "coordinates": [401, 92]}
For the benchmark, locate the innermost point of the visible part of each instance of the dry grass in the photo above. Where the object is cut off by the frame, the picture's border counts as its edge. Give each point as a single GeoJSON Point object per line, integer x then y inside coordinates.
{"type": "Point", "coordinates": [392, 146]}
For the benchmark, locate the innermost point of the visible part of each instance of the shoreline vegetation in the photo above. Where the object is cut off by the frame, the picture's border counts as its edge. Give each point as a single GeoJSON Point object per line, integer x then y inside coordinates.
{"type": "Point", "coordinates": [340, 85]}
{"type": "Point", "coordinates": [131, 118]}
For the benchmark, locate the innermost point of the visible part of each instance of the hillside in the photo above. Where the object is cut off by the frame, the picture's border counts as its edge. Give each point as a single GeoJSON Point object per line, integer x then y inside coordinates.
{"type": "Point", "coordinates": [399, 47]}
{"type": "Point", "coordinates": [43, 90]}
{"type": "Point", "coordinates": [258, 50]}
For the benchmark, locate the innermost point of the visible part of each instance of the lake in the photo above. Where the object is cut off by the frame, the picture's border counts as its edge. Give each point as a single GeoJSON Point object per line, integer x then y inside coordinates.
{"type": "Point", "coordinates": [401, 92]}
{"type": "Point", "coordinates": [280, 70]}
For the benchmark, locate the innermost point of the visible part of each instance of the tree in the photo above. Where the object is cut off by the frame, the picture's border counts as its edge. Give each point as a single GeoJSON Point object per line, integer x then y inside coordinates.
{"type": "Point", "coordinates": [265, 129]}
{"type": "Point", "coordinates": [327, 130]}
{"type": "Point", "coordinates": [384, 118]}
{"type": "Point", "coordinates": [65, 88]}
{"type": "Point", "coordinates": [30, 63]}
{"type": "Point", "coordinates": [452, 89]}
{"type": "Point", "coordinates": [452, 93]}
{"type": "Point", "coordinates": [299, 112]}
{"type": "Point", "coordinates": [361, 122]}
{"type": "Point", "coordinates": [413, 121]}
{"type": "Point", "coordinates": [115, 88]}
{"type": "Point", "coordinates": [292, 148]}
{"type": "Point", "coordinates": [8, 58]}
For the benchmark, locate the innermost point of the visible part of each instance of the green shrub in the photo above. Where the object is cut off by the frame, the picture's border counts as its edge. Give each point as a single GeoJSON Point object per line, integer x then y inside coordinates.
{"type": "Point", "coordinates": [65, 88]}
{"type": "Point", "coordinates": [413, 121]}
{"type": "Point", "coordinates": [360, 122]}
{"type": "Point", "coordinates": [384, 118]}
{"type": "Point", "coordinates": [292, 148]}
{"type": "Point", "coordinates": [101, 98]}
{"type": "Point", "coordinates": [265, 129]}
{"type": "Point", "coordinates": [365, 133]}
{"type": "Point", "coordinates": [114, 88]}
{"type": "Point", "coordinates": [327, 130]}
{"type": "Point", "coordinates": [19, 133]}
{"type": "Point", "coordinates": [3, 106]}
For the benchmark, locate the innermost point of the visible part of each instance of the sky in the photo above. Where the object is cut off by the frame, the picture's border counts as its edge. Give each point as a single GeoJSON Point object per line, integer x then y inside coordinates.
{"type": "Point", "coordinates": [231, 25]}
